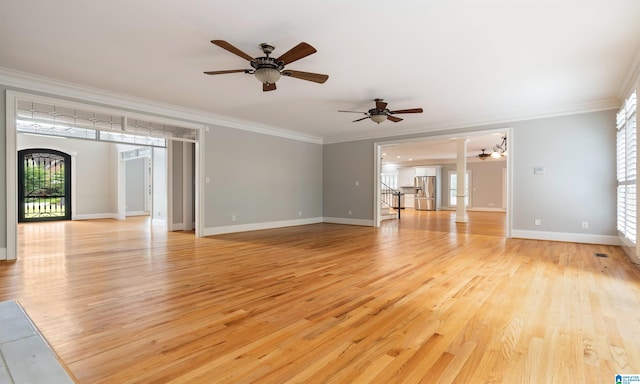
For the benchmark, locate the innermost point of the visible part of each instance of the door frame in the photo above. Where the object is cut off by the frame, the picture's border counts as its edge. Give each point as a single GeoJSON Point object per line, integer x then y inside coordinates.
{"type": "Point", "coordinates": [11, 250]}
{"type": "Point", "coordinates": [377, 168]}
{"type": "Point", "coordinates": [68, 169]}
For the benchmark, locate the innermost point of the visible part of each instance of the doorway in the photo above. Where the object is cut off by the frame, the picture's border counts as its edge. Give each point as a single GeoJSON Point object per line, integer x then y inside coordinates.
{"type": "Point", "coordinates": [44, 185]}
{"type": "Point", "coordinates": [47, 117]}
{"type": "Point", "coordinates": [492, 192]}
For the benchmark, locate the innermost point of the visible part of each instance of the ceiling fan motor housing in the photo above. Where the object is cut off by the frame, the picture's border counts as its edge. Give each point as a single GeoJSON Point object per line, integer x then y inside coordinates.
{"type": "Point", "coordinates": [267, 70]}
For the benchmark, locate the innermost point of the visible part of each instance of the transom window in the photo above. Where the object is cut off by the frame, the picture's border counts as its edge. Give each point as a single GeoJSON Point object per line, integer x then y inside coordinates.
{"type": "Point", "coordinates": [51, 120]}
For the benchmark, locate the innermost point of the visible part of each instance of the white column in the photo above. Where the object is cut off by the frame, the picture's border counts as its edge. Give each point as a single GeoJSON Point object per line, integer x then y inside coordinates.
{"type": "Point", "coordinates": [461, 171]}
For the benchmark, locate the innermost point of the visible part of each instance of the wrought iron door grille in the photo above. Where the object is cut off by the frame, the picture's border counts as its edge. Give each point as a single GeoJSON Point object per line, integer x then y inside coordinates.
{"type": "Point", "coordinates": [44, 185]}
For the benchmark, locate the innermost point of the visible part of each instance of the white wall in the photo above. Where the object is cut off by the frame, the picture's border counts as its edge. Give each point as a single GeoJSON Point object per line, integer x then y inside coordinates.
{"type": "Point", "coordinates": [94, 169]}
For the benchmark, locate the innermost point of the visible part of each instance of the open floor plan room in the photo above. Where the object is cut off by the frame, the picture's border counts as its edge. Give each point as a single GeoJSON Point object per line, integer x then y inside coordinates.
{"type": "Point", "coordinates": [421, 299]}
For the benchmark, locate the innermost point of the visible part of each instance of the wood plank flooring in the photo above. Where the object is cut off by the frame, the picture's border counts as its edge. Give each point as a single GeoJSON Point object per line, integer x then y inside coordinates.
{"type": "Point", "coordinates": [420, 300]}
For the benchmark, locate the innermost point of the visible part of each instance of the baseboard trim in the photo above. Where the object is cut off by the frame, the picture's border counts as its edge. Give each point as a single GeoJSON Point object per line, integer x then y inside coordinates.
{"type": "Point", "coordinates": [342, 220]}
{"type": "Point", "coordinates": [259, 226]}
{"type": "Point", "coordinates": [95, 216]}
{"type": "Point", "coordinates": [486, 209]}
{"type": "Point", "coordinates": [476, 209]}
{"type": "Point", "coordinates": [566, 237]}
{"type": "Point", "coordinates": [136, 213]}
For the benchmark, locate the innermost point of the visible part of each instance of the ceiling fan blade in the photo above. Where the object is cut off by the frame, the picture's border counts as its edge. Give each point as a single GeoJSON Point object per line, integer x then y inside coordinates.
{"type": "Point", "coordinates": [225, 45]}
{"type": "Point", "coordinates": [393, 118]}
{"type": "Point", "coordinates": [353, 112]}
{"type": "Point", "coordinates": [296, 53]}
{"type": "Point", "coordinates": [381, 105]}
{"type": "Point", "coordinates": [315, 77]}
{"type": "Point", "coordinates": [412, 110]}
{"type": "Point", "coordinates": [227, 71]}
{"type": "Point", "coordinates": [268, 87]}
{"type": "Point", "coordinates": [360, 119]}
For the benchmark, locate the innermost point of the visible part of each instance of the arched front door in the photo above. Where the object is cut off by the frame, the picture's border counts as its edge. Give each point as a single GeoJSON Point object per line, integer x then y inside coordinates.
{"type": "Point", "coordinates": [44, 185]}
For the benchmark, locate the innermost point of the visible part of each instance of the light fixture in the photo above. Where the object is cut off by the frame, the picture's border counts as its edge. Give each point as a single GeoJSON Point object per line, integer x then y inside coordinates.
{"type": "Point", "coordinates": [500, 149]}
{"type": "Point", "coordinates": [267, 75]}
{"type": "Point", "coordinates": [379, 118]}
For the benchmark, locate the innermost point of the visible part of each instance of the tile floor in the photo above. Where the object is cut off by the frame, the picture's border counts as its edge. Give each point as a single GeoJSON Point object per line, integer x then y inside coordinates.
{"type": "Point", "coordinates": [25, 357]}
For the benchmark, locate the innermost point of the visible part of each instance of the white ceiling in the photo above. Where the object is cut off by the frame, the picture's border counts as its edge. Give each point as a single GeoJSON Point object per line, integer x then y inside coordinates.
{"type": "Point", "coordinates": [440, 150]}
{"type": "Point", "coordinates": [464, 62]}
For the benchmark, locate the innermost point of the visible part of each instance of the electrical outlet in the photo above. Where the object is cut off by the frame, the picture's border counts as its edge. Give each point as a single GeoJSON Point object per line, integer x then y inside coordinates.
{"type": "Point", "coordinates": [585, 225]}
{"type": "Point", "coordinates": [350, 213]}
{"type": "Point", "coordinates": [299, 213]}
{"type": "Point", "coordinates": [233, 217]}
{"type": "Point", "coordinates": [537, 221]}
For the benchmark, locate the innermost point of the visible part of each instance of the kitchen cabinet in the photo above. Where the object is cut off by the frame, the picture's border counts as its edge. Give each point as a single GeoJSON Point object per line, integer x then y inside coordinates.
{"type": "Point", "coordinates": [408, 200]}
{"type": "Point", "coordinates": [426, 171]}
{"type": "Point", "coordinates": [405, 177]}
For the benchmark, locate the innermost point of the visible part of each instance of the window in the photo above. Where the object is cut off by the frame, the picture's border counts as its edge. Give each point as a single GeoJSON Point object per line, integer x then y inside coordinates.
{"type": "Point", "coordinates": [52, 120]}
{"type": "Point", "coordinates": [453, 189]}
{"type": "Point", "coordinates": [626, 159]}
{"type": "Point", "coordinates": [390, 180]}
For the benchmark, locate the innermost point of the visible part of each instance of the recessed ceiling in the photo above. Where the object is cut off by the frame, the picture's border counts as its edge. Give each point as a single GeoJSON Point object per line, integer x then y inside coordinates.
{"type": "Point", "coordinates": [464, 62]}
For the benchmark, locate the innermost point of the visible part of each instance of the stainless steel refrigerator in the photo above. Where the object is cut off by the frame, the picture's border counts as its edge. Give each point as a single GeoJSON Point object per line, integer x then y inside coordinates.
{"type": "Point", "coordinates": [425, 199]}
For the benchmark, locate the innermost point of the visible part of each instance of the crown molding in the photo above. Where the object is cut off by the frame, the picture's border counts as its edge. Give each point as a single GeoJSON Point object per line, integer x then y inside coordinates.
{"type": "Point", "coordinates": [32, 83]}
{"type": "Point", "coordinates": [596, 106]}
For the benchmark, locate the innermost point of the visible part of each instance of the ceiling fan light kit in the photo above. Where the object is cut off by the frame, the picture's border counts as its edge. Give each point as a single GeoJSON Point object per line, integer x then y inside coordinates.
{"type": "Point", "coordinates": [267, 69]}
{"type": "Point", "coordinates": [381, 113]}
{"type": "Point", "coordinates": [267, 75]}
{"type": "Point", "coordinates": [379, 118]}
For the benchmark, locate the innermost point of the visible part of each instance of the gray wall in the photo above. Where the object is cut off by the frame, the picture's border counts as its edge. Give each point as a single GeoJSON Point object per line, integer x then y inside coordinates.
{"type": "Point", "coordinates": [135, 185]}
{"type": "Point", "coordinates": [260, 178]}
{"type": "Point", "coordinates": [159, 196]}
{"type": "Point", "coordinates": [578, 152]}
{"type": "Point", "coordinates": [579, 156]}
{"type": "Point", "coordinates": [486, 183]}
{"type": "Point", "coordinates": [177, 180]}
{"type": "Point", "coordinates": [344, 164]}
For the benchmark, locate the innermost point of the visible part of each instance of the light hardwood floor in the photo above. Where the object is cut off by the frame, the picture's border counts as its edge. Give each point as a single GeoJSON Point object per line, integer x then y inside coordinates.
{"type": "Point", "coordinates": [420, 300]}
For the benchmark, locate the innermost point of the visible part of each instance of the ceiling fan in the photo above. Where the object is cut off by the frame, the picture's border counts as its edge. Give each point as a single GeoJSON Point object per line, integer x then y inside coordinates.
{"type": "Point", "coordinates": [268, 69]}
{"type": "Point", "coordinates": [483, 155]}
{"type": "Point", "coordinates": [381, 113]}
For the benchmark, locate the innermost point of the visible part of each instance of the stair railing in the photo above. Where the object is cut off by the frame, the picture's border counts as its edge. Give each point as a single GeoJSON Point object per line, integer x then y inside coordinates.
{"type": "Point", "coordinates": [390, 197]}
